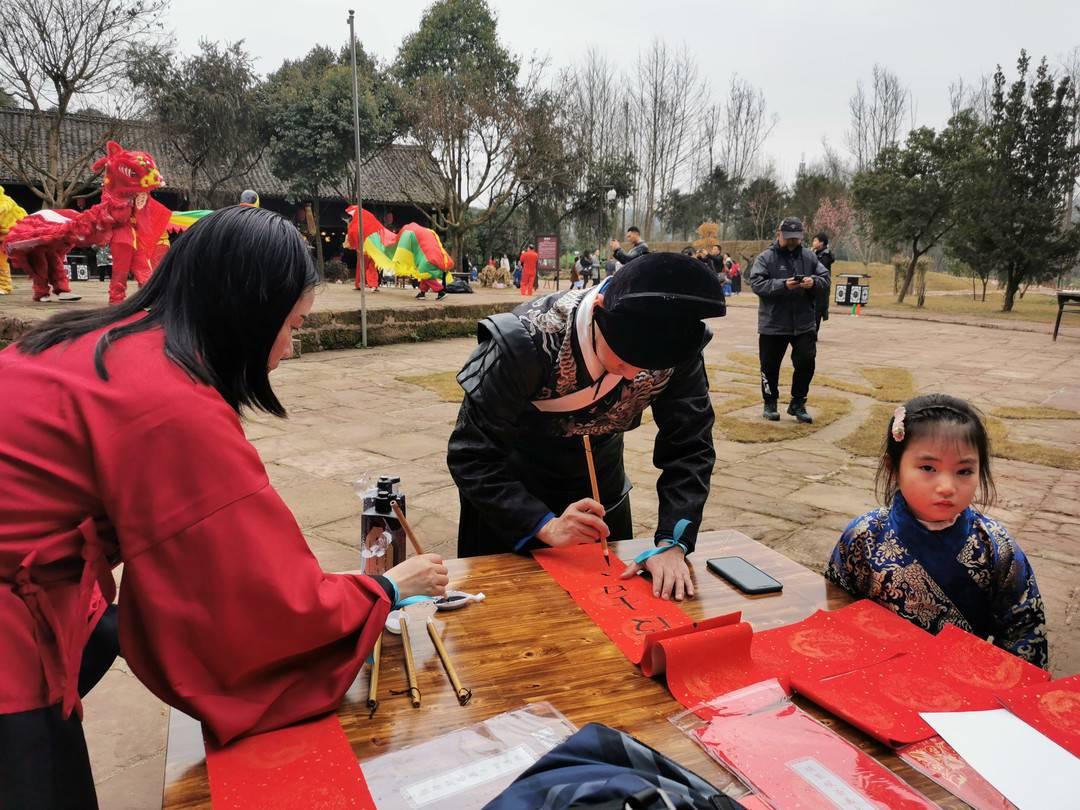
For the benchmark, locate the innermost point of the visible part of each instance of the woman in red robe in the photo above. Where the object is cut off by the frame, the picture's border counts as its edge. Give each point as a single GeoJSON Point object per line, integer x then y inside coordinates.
{"type": "Point", "coordinates": [130, 449]}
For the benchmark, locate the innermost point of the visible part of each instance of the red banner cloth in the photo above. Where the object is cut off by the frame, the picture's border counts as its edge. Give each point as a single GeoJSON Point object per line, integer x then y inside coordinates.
{"type": "Point", "coordinates": [625, 609]}
{"type": "Point", "coordinates": [308, 765]}
{"type": "Point", "coordinates": [1051, 708]}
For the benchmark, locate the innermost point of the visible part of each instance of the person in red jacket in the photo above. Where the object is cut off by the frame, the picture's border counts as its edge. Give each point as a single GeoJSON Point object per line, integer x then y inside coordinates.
{"type": "Point", "coordinates": [529, 257]}
{"type": "Point", "coordinates": [130, 450]}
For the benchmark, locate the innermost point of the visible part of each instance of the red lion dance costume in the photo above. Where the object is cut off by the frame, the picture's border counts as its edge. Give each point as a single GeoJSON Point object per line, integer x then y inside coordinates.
{"type": "Point", "coordinates": [127, 218]}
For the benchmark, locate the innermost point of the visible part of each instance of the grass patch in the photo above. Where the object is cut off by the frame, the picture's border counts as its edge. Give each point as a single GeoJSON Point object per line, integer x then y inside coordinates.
{"type": "Point", "coordinates": [443, 383]}
{"type": "Point", "coordinates": [756, 430]}
{"type": "Point", "coordinates": [1034, 412]}
{"type": "Point", "coordinates": [886, 383]}
{"type": "Point", "coordinates": [1031, 452]}
{"type": "Point", "coordinates": [1034, 306]}
{"type": "Point", "coordinates": [868, 437]}
{"type": "Point", "coordinates": [890, 384]}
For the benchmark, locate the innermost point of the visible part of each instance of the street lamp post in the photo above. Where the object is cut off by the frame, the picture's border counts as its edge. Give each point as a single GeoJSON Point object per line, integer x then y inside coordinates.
{"type": "Point", "coordinates": [359, 200]}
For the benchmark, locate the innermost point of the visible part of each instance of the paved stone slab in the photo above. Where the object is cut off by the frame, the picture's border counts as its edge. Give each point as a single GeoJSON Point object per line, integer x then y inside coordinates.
{"type": "Point", "coordinates": [349, 415]}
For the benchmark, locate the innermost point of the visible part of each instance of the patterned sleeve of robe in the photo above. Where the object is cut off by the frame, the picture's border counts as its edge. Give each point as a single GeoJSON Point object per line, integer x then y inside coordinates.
{"type": "Point", "coordinates": [1019, 617]}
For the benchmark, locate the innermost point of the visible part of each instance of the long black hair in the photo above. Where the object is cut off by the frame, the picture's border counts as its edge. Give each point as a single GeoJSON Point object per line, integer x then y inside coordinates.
{"type": "Point", "coordinates": [221, 295]}
{"type": "Point", "coordinates": [935, 415]}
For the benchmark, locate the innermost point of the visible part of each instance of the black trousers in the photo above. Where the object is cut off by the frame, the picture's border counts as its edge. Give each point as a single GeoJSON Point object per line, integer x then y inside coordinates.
{"type": "Point", "coordinates": [44, 763]}
{"type": "Point", "coordinates": [771, 350]}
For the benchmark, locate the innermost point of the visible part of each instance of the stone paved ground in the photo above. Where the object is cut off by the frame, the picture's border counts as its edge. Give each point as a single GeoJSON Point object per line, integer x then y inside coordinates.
{"type": "Point", "coordinates": [351, 414]}
{"type": "Point", "coordinates": [331, 296]}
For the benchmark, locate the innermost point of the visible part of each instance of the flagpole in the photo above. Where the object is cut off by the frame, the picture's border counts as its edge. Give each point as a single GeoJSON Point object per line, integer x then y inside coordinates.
{"type": "Point", "coordinates": [361, 269]}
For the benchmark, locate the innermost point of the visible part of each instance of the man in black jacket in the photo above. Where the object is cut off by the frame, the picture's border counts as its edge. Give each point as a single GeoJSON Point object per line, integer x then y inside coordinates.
{"type": "Point", "coordinates": [820, 246]}
{"type": "Point", "coordinates": [638, 247]}
{"type": "Point", "coordinates": [786, 278]}
{"type": "Point", "coordinates": [588, 363]}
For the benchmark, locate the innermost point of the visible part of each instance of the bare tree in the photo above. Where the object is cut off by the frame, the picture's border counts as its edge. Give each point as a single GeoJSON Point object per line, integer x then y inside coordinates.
{"type": "Point", "coordinates": [669, 91]}
{"type": "Point", "coordinates": [747, 124]}
{"type": "Point", "coordinates": [763, 199]}
{"type": "Point", "coordinates": [832, 164]}
{"type": "Point", "coordinates": [710, 128]}
{"type": "Point", "coordinates": [56, 55]}
{"type": "Point", "coordinates": [971, 97]}
{"type": "Point", "coordinates": [876, 118]}
{"type": "Point", "coordinates": [1070, 64]}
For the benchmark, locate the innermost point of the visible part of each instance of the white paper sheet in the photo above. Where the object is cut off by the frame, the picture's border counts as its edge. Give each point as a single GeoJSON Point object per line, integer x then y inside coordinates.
{"type": "Point", "coordinates": [1031, 770]}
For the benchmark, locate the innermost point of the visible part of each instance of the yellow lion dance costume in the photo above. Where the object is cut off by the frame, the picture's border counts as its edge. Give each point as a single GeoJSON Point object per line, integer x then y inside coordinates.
{"type": "Point", "coordinates": [10, 213]}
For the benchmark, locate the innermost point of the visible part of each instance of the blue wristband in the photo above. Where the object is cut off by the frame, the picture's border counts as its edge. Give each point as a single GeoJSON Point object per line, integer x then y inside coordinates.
{"type": "Point", "coordinates": [397, 593]}
{"type": "Point", "coordinates": [674, 542]}
{"type": "Point", "coordinates": [412, 600]}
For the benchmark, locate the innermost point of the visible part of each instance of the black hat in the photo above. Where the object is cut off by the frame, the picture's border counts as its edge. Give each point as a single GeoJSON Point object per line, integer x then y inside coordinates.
{"type": "Point", "coordinates": [791, 228]}
{"type": "Point", "coordinates": [653, 307]}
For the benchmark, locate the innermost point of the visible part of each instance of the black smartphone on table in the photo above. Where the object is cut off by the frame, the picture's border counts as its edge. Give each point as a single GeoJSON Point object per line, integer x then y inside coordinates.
{"type": "Point", "coordinates": [745, 576]}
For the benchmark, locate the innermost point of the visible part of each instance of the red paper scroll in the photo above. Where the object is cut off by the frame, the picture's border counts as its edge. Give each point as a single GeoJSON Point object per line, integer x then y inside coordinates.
{"type": "Point", "coordinates": [703, 665]}
{"type": "Point", "coordinates": [625, 609]}
{"type": "Point", "coordinates": [937, 760]}
{"type": "Point", "coordinates": [953, 671]}
{"type": "Point", "coordinates": [720, 657]}
{"type": "Point", "coordinates": [1052, 708]}
{"type": "Point", "coordinates": [834, 642]}
{"type": "Point", "coordinates": [654, 661]}
{"type": "Point", "coordinates": [791, 760]}
{"type": "Point", "coordinates": [309, 765]}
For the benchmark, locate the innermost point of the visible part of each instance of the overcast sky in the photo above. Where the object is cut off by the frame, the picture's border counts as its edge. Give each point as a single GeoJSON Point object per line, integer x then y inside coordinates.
{"type": "Point", "coordinates": [805, 56]}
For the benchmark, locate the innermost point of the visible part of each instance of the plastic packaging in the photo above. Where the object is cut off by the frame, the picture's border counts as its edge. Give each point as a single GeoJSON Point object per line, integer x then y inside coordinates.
{"type": "Point", "coordinates": [938, 761]}
{"type": "Point", "coordinates": [788, 758]}
{"type": "Point", "coordinates": [469, 767]}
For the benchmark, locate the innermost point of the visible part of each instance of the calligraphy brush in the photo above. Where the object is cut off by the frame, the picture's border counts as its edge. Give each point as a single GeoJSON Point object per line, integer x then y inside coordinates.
{"type": "Point", "coordinates": [595, 490]}
{"type": "Point", "coordinates": [463, 695]}
{"type": "Point", "coordinates": [410, 667]}
{"type": "Point", "coordinates": [408, 529]}
{"type": "Point", "coordinates": [373, 685]}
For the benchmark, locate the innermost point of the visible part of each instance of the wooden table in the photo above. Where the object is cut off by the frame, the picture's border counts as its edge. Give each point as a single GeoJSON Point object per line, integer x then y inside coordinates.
{"type": "Point", "coordinates": [530, 642]}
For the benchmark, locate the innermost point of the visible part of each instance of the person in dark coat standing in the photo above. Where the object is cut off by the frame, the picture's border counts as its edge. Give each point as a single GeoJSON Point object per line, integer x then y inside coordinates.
{"type": "Point", "coordinates": [786, 278]}
{"type": "Point", "coordinates": [820, 246]}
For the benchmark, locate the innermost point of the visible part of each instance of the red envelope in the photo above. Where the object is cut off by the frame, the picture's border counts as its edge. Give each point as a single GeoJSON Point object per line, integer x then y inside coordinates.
{"type": "Point", "coordinates": [308, 765]}
{"type": "Point", "coordinates": [1051, 708]}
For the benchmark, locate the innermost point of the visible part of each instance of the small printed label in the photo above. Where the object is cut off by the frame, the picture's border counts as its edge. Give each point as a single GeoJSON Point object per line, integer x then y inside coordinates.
{"type": "Point", "coordinates": [457, 780]}
{"type": "Point", "coordinates": [831, 786]}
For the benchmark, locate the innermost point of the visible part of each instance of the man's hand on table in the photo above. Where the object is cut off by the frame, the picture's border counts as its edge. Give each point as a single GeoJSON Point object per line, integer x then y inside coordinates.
{"type": "Point", "coordinates": [670, 574]}
{"type": "Point", "coordinates": [582, 522]}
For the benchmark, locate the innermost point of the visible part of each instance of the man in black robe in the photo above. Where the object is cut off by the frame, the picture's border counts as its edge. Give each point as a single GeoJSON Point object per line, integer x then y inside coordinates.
{"type": "Point", "coordinates": [588, 362]}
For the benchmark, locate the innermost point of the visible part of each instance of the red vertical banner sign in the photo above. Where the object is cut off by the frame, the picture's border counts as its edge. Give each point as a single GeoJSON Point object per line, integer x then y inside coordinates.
{"type": "Point", "coordinates": [547, 247]}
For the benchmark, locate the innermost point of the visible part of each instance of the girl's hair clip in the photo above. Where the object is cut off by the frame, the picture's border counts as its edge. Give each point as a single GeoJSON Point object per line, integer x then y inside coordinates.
{"type": "Point", "coordinates": [897, 430]}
